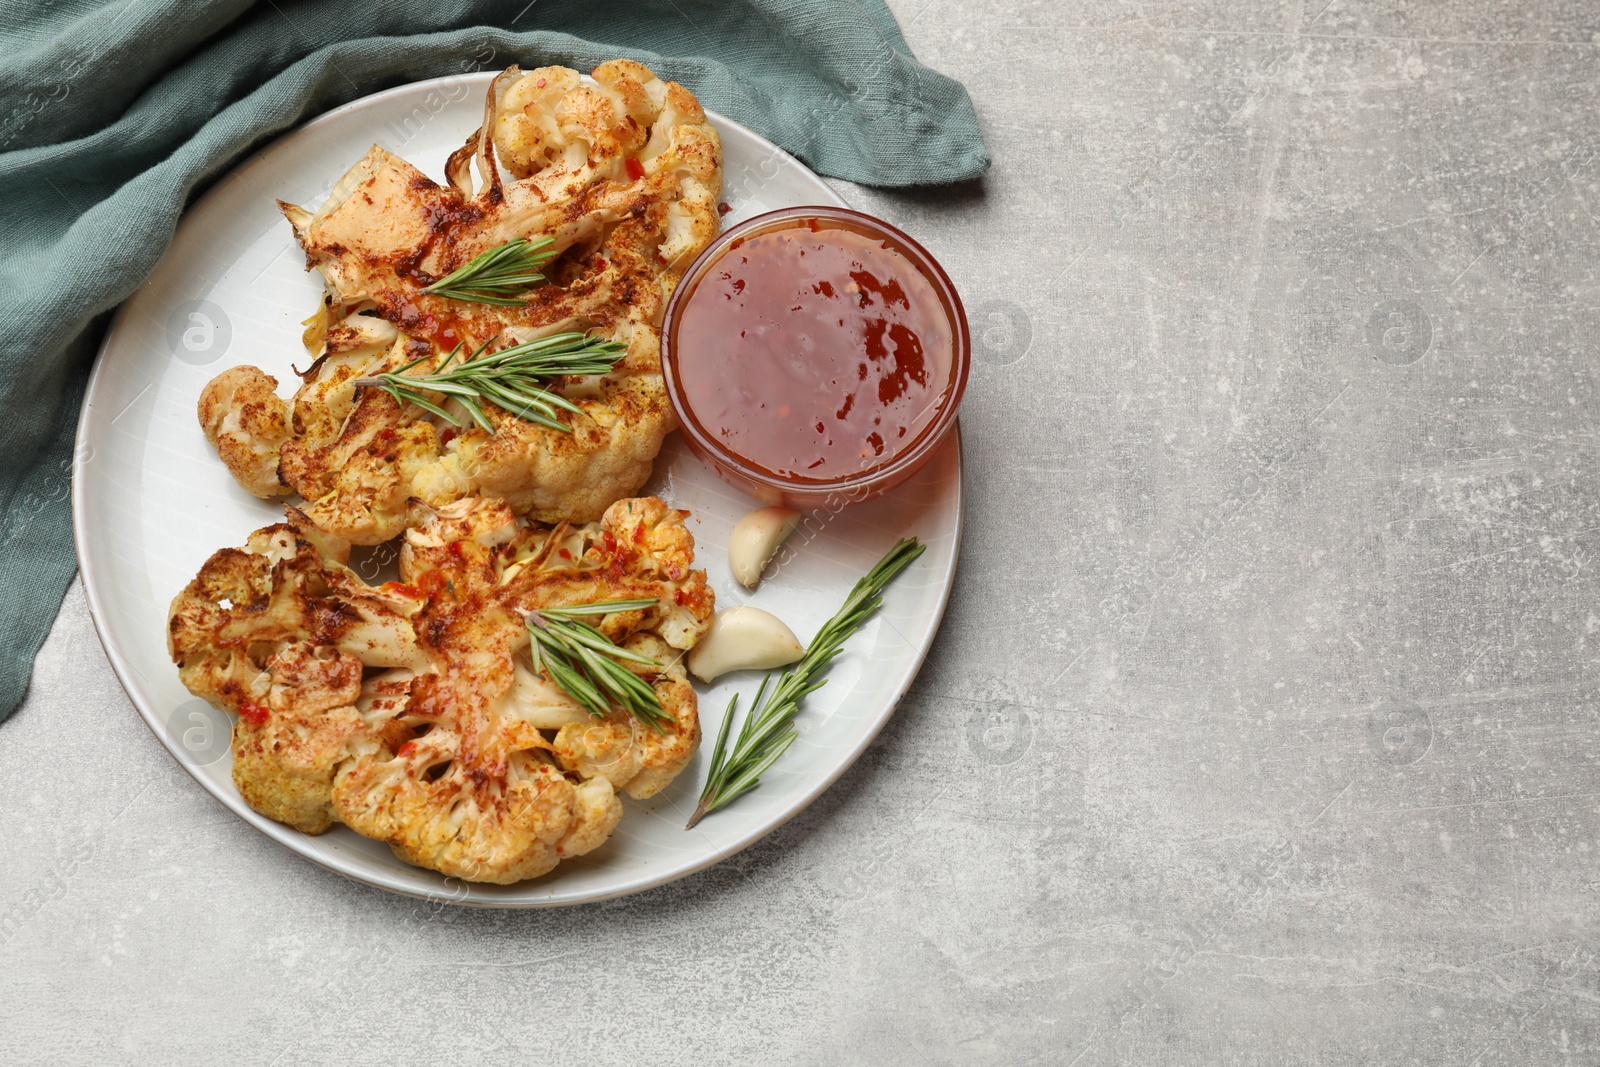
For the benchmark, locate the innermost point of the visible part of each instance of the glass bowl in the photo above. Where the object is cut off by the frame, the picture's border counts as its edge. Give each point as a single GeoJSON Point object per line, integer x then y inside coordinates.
{"type": "Point", "coordinates": [793, 490]}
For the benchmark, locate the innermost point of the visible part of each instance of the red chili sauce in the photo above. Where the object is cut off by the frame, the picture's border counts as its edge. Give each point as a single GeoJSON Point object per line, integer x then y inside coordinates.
{"type": "Point", "coordinates": [814, 352]}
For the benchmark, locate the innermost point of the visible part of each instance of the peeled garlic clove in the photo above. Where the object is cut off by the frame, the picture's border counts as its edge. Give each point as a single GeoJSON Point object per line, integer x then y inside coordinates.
{"type": "Point", "coordinates": [755, 540]}
{"type": "Point", "coordinates": [744, 638]}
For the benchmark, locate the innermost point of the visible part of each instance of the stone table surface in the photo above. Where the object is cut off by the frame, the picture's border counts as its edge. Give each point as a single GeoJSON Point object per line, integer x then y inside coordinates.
{"type": "Point", "coordinates": [1261, 728]}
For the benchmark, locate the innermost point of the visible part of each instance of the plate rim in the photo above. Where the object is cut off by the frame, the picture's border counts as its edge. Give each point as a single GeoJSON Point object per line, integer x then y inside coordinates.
{"type": "Point", "coordinates": [279, 834]}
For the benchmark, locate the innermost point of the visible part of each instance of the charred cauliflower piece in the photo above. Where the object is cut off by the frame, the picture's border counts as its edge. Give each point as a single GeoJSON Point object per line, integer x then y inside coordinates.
{"type": "Point", "coordinates": [622, 176]}
{"type": "Point", "coordinates": [280, 632]}
{"type": "Point", "coordinates": [581, 161]}
{"type": "Point", "coordinates": [410, 711]}
{"type": "Point", "coordinates": [247, 423]}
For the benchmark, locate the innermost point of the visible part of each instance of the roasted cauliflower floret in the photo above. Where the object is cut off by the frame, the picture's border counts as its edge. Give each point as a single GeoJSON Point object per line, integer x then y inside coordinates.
{"type": "Point", "coordinates": [247, 423]}
{"type": "Point", "coordinates": [624, 751]}
{"type": "Point", "coordinates": [621, 176]}
{"type": "Point", "coordinates": [280, 632]}
{"type": "Point", "coordinates": [410, 711]}
{"type": "Point", "coordinates": [284, 760]}
{"type": "Point", "coordinates": [284, 764]}
{"type": "Point", "coordinates": [533, 819]}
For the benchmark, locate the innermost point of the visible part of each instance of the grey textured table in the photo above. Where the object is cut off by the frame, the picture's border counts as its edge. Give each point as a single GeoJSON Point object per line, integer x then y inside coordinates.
{"type": "Point", "coordinates": [1262, 725]}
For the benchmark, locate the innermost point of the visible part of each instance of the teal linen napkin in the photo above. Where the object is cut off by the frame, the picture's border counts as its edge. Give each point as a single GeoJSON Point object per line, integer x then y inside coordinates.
{"type": "Point", "coordinates": [113, 115]}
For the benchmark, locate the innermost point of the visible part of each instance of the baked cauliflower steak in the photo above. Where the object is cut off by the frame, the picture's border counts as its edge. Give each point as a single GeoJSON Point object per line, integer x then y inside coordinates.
{"type": "Point", "coordinates": [621, 175]}
{"type": "Point", "coordinates": [410, 711]}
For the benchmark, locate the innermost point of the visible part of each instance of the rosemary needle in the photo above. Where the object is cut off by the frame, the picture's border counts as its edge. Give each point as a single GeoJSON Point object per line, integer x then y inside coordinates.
{"type": "Point", "coordinates": [501, 276]}
{"type": "Point", "coordinates": [582, 661]}
{"type": "Point", "coordinates": [768, 729]}
{"type": "Point", "coordinates": [513, 378]}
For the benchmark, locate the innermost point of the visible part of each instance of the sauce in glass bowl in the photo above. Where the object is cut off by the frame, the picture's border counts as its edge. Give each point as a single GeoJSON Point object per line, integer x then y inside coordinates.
{"type": "Point", "coordinates": [813, 352]}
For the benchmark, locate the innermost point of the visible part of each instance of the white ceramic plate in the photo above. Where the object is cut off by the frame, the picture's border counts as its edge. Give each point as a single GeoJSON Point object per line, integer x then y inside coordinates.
{"type": "Point", "coordinates": [151, 502]}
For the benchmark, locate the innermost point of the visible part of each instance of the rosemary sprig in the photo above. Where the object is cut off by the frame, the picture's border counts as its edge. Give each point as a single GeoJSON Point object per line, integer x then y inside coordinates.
{"type": "Point", "coordinates": [768, 730]}
{"type": "Point", "coordinates": [513, 378]}
{"type": "Point", "coordinates": [582, 661]}
{"type": "Point", "coordinates": [499, 276]}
